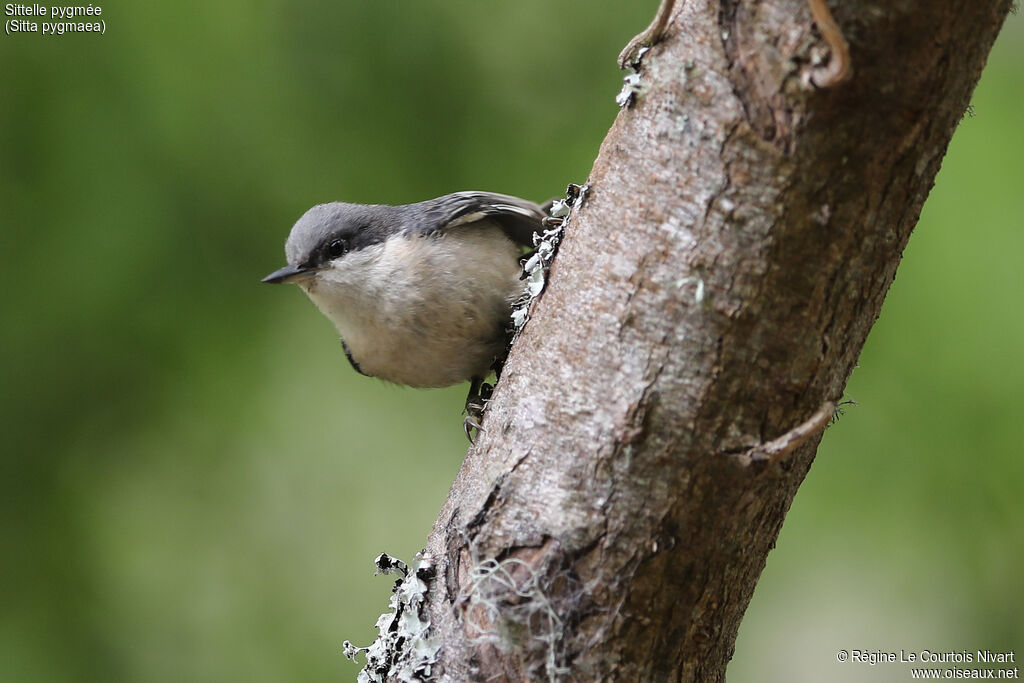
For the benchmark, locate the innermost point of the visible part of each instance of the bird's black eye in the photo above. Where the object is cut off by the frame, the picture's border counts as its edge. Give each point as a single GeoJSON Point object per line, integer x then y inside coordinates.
{"type": "Point", "coordinates": [336, 248]}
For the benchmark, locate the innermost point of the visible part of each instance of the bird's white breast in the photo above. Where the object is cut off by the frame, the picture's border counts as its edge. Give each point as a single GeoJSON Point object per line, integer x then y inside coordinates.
{"type": "Point", "coordinates": [423, 311]}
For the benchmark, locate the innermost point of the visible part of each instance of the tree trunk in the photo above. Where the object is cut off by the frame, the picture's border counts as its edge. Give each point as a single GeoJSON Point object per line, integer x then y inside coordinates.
{"type": "Point", "coordinates": [708, 304]}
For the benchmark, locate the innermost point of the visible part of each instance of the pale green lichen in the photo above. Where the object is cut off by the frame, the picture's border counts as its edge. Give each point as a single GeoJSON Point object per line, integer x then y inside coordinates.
{"type": "Point", "coordinates": [631, 83]}
{"type": "Point", "coordinates": [510, 606]}
{"type": "Point", "coordinates": [404, 649]}
{"type": "Point", "coordinates": [545, 246]}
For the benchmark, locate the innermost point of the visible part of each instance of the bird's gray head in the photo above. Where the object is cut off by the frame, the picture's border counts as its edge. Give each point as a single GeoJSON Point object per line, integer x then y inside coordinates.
{"type": "Point", "coordinates": [328, 232]}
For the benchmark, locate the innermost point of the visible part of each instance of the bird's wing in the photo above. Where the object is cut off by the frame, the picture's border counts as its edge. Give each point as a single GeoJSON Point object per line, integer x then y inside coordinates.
{"type": "Point", "coordinates": [518, 218]}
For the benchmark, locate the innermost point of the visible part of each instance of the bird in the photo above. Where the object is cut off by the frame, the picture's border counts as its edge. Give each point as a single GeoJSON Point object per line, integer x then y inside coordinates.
{"type": "Point", "coordinates": [420, 294]}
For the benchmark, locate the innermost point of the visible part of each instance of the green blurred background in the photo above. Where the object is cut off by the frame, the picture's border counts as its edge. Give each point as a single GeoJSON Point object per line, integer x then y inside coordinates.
{"type": "Point", "coordinates": [194, 482]}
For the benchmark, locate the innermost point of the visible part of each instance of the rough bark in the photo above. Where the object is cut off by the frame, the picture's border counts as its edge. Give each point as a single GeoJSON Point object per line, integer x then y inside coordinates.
{"type": "Point", "coordinates": [712, 294]}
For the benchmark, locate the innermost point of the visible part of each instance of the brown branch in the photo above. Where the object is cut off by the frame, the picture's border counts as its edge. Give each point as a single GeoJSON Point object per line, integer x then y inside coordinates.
{"type": "Point", "coordinates": [838, 69]}
{"type": "Point", "coordinates": [649, 36]}
{"type": "Point", "coordinates": [714, 290]}
{"type": "Point", "coordinates": [778, 448]}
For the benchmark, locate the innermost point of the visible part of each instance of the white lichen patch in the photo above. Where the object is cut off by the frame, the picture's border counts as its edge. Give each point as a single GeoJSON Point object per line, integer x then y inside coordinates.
{"type": "Point", "coordinates": [698, 287]}
{"type": "Point", "coordinates": [545, 247]}
{"type": "Point", "coordinates": [404, 649]}
{"type": "Point", "coordinates": [632, 85]}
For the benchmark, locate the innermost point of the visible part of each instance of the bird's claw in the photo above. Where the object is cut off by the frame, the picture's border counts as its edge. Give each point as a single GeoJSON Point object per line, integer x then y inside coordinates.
{"type": "Point", "coordinates": [476, 403]}
{"type": "Point", "coordinates": [469, 424]}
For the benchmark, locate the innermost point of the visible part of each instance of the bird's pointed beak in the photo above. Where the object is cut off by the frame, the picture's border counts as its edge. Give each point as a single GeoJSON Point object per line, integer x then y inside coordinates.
{"type": "Point", "coordinates": [286, 274]}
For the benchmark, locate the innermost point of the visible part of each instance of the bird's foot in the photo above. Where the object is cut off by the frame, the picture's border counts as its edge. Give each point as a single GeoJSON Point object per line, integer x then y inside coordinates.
{"type": "Point", "coordinates": [476, 403]}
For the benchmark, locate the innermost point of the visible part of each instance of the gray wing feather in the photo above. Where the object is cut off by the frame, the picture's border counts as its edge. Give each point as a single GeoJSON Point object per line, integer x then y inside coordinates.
{"type": "Point", "coordinates": [518, 218]}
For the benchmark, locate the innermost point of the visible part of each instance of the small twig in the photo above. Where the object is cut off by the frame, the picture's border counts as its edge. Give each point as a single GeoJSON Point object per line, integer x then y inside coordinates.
{"type": "Point", "coordinates": [776, 449]}
{"type": "Point", "coordinates": [838, 68]}
{"type": "Point", "coordinates": [651, 35]}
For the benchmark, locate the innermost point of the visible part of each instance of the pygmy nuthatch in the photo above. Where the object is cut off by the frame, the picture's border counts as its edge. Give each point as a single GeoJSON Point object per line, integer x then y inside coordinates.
{"type": "Point", "coordinates": [420, 293]}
